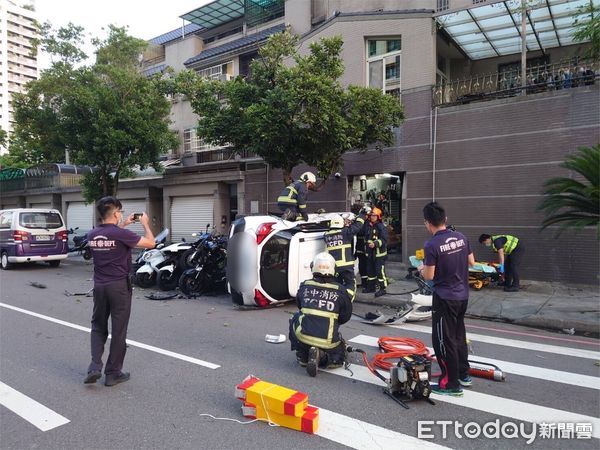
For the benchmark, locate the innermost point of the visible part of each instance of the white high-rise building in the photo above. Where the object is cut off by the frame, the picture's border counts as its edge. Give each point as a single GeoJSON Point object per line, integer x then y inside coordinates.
{"type": "Point", "coordinates": [17, 64]}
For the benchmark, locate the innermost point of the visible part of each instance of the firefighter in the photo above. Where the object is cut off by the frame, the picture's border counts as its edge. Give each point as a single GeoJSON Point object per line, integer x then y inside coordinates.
{"type": "Point", "coordinates": [323, 305]}
{"type": "Point", "coordinates": [339, 242]}
{"type": "Point", "coordinates": [510, 251]}
{"type": "Point", "coordinates": [360, 252]}
{"type": "Point", "coordinates": [376, 238]}
{"type": "Point", "coordinates": [292, 200]}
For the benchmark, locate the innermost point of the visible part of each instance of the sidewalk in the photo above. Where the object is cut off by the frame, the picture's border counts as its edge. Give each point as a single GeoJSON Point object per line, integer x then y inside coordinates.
{"type": "Point", "coordinates": [538, 304]}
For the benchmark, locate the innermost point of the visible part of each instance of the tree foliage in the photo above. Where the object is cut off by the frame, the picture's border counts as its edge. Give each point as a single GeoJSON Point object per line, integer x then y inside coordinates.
{"type": "Point", "coordinates": [589, 29]}
{"type": "Point", "coordinates": [106, 115]}
{"type": "Point", "coordinates": [574, 202]}
{"type": "Point", "coordinates": [290, 114]}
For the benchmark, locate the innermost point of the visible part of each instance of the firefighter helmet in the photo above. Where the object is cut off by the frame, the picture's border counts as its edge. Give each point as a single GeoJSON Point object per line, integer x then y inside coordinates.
{"type": "Point", "coordinates": [308, 176]}
{"type": "Point", "coordinates": [336, 221]}
{"type": "Point", "coordinates": [323, 264]}
{"type": "Point", "coordinates": [377, 212]}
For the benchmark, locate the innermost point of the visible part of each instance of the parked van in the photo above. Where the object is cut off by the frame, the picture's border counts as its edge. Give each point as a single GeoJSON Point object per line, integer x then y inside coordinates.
{"type": "Point", "coordinates": [32, 234]}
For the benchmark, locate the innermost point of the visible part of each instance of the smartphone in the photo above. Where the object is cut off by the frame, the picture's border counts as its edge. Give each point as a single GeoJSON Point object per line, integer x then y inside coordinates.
{"type": "Point", "coordinates": [136, 216]}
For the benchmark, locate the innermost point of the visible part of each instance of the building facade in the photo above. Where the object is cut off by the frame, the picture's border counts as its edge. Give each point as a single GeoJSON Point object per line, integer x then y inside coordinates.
{"type": "Point", "coordinates": [18, 65]}
{"type": "Point", "coordinates": [478, 136]}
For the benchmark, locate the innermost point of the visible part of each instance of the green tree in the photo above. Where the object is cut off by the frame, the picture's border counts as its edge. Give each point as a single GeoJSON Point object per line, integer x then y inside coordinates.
{"type": "Point", "coordinates": [2, 137]}
{"type": "Point", "coordinates": [589, 28]}
{"type": "Point", "coordinates": [290, 114]}
{"type": "Point", "coordinates": [574, 202]}
{"type": "Point", "coordinates": [106, 115]}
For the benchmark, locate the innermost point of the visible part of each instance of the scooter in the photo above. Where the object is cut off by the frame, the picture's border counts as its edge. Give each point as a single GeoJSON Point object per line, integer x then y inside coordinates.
{"type": "Point", "coordinates": [143, 273]}
{"type": "Point", "coordinates": [80, 244]}
{"type": "Point", "coordinates": [169, 270]}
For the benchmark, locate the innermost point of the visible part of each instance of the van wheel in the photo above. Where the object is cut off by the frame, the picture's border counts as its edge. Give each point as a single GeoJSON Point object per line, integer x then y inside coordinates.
{"type": "Point", "coordinates": [4, 262]}
{"type": "Point", "coordinates": [54, 263]}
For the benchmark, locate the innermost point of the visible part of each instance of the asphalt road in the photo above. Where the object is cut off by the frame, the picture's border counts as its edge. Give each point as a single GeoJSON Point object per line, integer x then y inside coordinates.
{"type": "Point", "coordinates": [551, 378]}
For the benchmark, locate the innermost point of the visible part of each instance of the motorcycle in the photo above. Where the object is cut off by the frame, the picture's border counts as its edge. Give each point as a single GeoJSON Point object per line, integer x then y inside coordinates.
{"type": "Point", "coordinates": [209, 272]}
{"type": "Point", "coordinates": [161, 266]}
{"type": "Point", "coordinates": [189, 258]}
{"type": "Point", "coordinates": [80, 244]}
{"type": "Point", "coordinates": [170, 270]}
{"type": "Point", "coordinates": [159, 239]}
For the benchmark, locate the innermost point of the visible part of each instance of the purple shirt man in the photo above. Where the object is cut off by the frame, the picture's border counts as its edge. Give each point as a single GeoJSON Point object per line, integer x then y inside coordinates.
{"type": "Point", "coordinates": [111, 248]}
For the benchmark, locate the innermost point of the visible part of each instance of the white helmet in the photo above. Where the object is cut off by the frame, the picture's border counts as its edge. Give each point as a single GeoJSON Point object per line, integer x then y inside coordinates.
{"type": "Point", "coordinates": [336, 221]}
{"type": "Point", "coordinates": [308, 176]}
{"type": "Point", "coordinates": [323, 264]}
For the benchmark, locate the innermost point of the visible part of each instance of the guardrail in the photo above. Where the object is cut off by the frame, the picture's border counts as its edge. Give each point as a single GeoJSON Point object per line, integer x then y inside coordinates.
{"type": "Point", "coordinates": [63, 180]}
{"type": "Point", "coordinates": [541, 78]}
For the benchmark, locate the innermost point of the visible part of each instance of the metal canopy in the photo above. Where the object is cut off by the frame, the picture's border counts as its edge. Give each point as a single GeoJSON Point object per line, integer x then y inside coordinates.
{"type": "Point", "coordinates": [495, 29]}
{"type": "Point", "coordinates": [216, 13]}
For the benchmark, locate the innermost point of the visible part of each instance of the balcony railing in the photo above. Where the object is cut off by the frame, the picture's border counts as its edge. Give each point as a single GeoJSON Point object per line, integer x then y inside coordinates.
{"type": "Point", "coordinates": [540, 78]}
{"type": "Point", "coordinates": [222, 154]}
{"type": "Point", "coordinates": [63, 180]}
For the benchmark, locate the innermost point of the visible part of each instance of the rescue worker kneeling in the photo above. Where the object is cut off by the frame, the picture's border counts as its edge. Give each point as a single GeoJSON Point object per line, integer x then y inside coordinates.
{"type": "Point", "coordinates": [324, 305]}
{"type": "Point", "coordinates": [292, 200]}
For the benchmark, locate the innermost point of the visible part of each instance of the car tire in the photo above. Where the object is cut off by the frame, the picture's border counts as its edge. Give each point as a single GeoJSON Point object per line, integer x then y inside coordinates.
{"type": "Point", "coordinates": [145, 280]}
{"type": "Point", "coordinates": [4, 262]}
{"type": "Point", "coordinates": [168, 281]}
{"type": "Point", "coordinates": [54, 263]}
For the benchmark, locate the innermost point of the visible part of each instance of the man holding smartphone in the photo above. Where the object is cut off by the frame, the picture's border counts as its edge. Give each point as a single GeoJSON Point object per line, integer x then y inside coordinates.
{"type": "Point", "coordinates": [111, 246]}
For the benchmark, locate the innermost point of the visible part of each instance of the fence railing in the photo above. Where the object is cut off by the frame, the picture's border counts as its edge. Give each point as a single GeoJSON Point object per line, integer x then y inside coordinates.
{"type": "Point", "coordinates": [63, 180]}
{"type": "Point", "coordinates": [540, 78]}
{"type": "Point", "coordinates": [222, 154]}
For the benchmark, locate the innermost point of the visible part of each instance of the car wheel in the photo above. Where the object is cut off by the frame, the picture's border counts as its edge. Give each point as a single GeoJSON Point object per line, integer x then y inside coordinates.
{"type": "Point", "coordinates": [54, 263]}
{"type": "Point", "coordinates": [168, 281]}
{"type": "Point", "coordinates": [145, 280]}
{"type": "Point", "coordinates": [4, 262]}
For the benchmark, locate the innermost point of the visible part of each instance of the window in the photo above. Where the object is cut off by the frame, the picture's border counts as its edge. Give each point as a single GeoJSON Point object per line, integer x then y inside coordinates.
{"type": "Point", "coordinates": [383, 64]}
{"type": "Point", "coordinates": [6, 219]}
{"type": "Point", "coordinates": [443, 5]}
{"type": "Point", "coordinates": [222, 71]}
{"type": "Point", "coordinates": [274, 266]}
{"type": "Point", "coordinates": [40, 220]}
{"type": "Point", "coordinates": [193, 143]}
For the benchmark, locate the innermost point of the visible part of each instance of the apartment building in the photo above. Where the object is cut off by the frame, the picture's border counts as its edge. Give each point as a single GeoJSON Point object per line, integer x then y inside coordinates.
{"type": "Point", "coordinates": [17, 64]}
{"type": "Point", "coordinates": [481, 136]}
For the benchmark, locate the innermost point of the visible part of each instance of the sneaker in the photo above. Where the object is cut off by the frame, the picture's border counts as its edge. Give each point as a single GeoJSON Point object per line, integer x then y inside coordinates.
{"type": "Point", "coordinates": [466, 381]}
{"type": "Point", "coordinates": [452, 392]}
{"type": "Point", "coordinates": [113, 380]}
{"type": "Point", "coordinates": [92, 377]}
{"type": "Point", "coordinates": [313, 361]}
{"type": "Point", "coordinates": [380, 293]}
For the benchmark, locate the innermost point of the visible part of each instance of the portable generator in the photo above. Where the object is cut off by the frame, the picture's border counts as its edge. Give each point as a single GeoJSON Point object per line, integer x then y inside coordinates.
{"type": "Point", "coordinates": [409, 380]}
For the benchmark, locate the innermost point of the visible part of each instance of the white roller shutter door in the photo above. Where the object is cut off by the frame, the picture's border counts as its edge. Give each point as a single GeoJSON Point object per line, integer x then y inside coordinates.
{"type": "Point", "coordinates": [41, 205]}
{"type": "Point", "coordinates": [134, 206]}
{"type": "Point", "coordinates": [190, 215]}
{"type": "Point", "coordinates": [80, 215]}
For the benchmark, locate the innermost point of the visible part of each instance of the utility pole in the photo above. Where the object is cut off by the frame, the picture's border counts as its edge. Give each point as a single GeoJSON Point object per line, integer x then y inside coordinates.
{"type": "Point", "coordinates": [523, 47]}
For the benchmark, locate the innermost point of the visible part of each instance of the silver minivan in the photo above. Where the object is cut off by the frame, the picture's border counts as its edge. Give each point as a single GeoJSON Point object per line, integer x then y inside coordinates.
{"type": "Point", "coordinates": [32, 234]}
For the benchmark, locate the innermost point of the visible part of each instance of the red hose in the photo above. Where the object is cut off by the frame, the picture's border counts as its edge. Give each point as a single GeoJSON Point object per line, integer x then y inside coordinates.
{"type": "Point", "coordinates": [398, 347]}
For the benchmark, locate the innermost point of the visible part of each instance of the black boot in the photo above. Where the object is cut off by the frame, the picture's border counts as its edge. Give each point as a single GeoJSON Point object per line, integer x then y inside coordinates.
{"type": "Point", "coordinates": [369, 287]}
{"type": "Point", "coordinates": [313, 361]}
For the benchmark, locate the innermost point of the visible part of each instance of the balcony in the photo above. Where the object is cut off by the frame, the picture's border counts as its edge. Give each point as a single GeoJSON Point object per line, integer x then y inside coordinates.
{"type": "Point", "coordinates": [42, 177]}
{"type": "Point", "coordinates": [215, 155]}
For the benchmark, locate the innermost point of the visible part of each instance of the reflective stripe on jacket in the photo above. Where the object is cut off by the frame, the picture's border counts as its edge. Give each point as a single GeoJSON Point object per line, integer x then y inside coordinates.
{"type": "Point", "coordinates": [338, 242]}
{"type": "Point", "coordinates": [294, 194]}
{"type": "Point", "coordinates": [324, 304]}
{"type": "Point", "coordinates": [509, 245]}
{"type": "Point", "coordinates": [378, 235]}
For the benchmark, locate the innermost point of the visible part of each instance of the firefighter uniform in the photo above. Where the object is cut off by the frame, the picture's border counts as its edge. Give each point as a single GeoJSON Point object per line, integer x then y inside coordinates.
{"type": "Point", "coordinates": [339, 244]}
{"type": "Point", "coordinates": [377, 234]}
{"type": "Point", "coordinates": [360, 253]}
{"type": "Point", "coordinates": [292, 201]}
{"type": "Point", "coordinates": [513, 251]}
{"type": "Point", "coordinates": [323, 305]}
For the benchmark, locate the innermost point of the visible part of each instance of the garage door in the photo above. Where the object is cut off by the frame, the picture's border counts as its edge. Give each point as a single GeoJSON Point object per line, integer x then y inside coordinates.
{"type": "Point", "coordinates": [41, 205]}
{"type": "Point", "coordinates": [80, 215]}
{"type": "Point", "coordinates": [190, 215]}
{"type": "Point", "coordinates": [134, 206]}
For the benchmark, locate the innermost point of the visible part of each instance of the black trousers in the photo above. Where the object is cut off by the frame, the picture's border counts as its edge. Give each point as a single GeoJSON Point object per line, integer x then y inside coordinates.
{"type": "Point", "coordinates": [512, 264]}
{"type": "Point", "coordinates": [450, 340]}
{"type": "Point", "coordinates": [336, 355]}
{"type": "Point", "coordinates": [290, 212]}
{"type": "Point", "coordinates": [347, 278]}
{"type": "Point", "coordinates": [362, 268]}
{"type": "Point", "coordinates": [110, 300]}
{"type": "Point", "coordinates": [376, 271]}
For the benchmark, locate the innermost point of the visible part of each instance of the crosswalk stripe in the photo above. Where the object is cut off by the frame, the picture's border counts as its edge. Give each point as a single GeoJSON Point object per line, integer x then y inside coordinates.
{"type": "Point", "coordinates": [133, 343]}
{"type": "Point", "coordinates": [524, 345]}
{"type": "Point", "coordinates": [558, 376]}
{"type": "Point", "coordinates": [33, 412]}
{"type": "Point", "coordinates": [361, 435]}
{"type": "Point", "coordinates": [499, 406]}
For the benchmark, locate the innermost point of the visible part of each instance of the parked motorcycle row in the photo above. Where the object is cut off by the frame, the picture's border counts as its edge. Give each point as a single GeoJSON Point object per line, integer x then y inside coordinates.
{"type": "Point", "coordinates": [80, 244]}
{"type": "Point", "coordinates": [196, 267]}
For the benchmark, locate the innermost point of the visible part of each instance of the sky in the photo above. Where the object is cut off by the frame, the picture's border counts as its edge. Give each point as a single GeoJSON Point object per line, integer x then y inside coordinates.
{"type": "Point", "coordinates": [146, 18]}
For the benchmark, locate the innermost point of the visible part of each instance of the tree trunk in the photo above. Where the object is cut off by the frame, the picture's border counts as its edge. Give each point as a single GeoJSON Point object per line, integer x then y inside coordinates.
{"type": "Point", "coordinates": [116, 184]}
{"type": "Point", "coordinates": [104, 183]}
{"type": "Point", "coordinates": [287, 176]}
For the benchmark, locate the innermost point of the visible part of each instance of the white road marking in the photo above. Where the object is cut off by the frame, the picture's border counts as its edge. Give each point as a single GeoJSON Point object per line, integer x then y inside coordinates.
{"type": "Point", "coordinates": [499, 406]}
{"type": "Point", "coordinates": [133, 343]}
{"type": "Point", "coordinates": [558, 376]}
{"type": "Point", "coordinates": [524, 345]}
{"type": "Point", "coordinates": [33, 412]}
{"type": "Point", "coordinates": [361, 435]}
